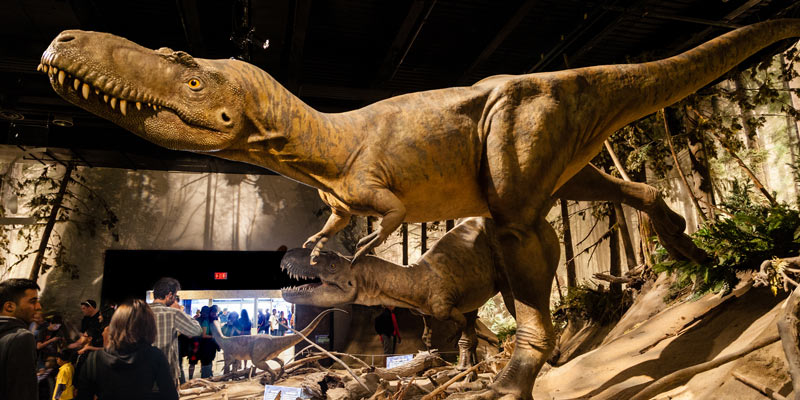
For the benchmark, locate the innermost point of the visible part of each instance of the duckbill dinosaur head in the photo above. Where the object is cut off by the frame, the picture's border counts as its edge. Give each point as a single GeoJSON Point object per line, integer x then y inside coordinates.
{"type": "Point", "coordinates": [337, 281]}
{"type": "Point", "coordinates": [167, 97]}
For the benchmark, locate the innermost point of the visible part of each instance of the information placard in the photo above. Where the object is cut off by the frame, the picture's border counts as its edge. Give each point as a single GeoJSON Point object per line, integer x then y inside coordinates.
{"type": "Point", "coordinates": [395, 361]}
{"type": "Point", "coordinates": [287, 393]}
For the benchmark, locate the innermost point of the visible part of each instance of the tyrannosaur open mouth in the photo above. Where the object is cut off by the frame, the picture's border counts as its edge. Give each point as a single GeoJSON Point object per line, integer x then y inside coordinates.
{"type": "Point", "coordinates": [302, 274]}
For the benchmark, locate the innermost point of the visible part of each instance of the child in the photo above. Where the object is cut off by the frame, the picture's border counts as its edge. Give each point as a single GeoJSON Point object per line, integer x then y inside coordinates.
{"type": "Point", "coordinates": [64, 388]}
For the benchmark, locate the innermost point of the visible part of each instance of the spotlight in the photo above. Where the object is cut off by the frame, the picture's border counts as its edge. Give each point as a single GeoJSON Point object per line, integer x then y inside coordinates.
{"type": "Point", "coordinates": [64, 121]}
{"type": "Point", "coordinates": [11, 115]}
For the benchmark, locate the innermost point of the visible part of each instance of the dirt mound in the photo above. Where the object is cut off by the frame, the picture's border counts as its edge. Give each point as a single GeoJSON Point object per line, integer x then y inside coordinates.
{"type": "Point", "coordinates": [651, 345]}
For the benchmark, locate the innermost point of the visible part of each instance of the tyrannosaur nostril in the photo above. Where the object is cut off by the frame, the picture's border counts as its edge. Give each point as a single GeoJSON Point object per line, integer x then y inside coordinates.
{"type": "Point", "coordinates": [65, 38]}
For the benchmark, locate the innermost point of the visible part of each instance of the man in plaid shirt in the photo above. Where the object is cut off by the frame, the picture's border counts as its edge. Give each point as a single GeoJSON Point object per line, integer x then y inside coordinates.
{"type": "Point", "coordinates": [170, 321]}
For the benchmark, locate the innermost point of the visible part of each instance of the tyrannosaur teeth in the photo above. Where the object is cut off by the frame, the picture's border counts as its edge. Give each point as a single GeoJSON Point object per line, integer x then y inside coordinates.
{"type": "Point", "coordinates": [123, 107]}
{"type": "Point", "coordinates": [113, 103]}
{"type": "Point", "coordinates": [76, 83]}
{"type": "Point", "coordinates": [85, 91]}
{"type": "Point", "coordinates": [61, 76]}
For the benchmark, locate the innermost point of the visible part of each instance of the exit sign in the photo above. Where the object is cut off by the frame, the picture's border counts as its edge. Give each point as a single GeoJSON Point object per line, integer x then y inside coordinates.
{"type": "Point", "coordinates": [220, 276]}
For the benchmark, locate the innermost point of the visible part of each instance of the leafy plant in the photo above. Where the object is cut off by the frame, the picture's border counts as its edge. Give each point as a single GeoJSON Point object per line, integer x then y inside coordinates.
{"type": "Point", "coordinates": [497, 318]}
{"type": "Point", "coordinates": [595, 305]}
{"type": "Point", "coordinates": [752, 233]}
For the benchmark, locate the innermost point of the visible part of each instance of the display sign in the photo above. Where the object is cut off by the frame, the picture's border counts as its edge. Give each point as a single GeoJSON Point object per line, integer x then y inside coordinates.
{"type": "Point", "coordinates": [396, 361]}
{"type": "Point", "coordinates": [287, 393]}
{"type": "Point", "coordinates": [220, 276]}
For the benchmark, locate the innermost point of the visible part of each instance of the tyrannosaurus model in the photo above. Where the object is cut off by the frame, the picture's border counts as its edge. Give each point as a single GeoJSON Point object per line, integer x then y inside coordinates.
{"type": "Point", "coordinates": [501, 147]}
{"type": "Point", "coordinates": [261, 348]}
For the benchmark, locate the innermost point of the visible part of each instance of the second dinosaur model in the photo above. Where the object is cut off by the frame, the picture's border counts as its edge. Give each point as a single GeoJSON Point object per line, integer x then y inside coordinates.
{"type": "Point", "coordinates": [501, 147]}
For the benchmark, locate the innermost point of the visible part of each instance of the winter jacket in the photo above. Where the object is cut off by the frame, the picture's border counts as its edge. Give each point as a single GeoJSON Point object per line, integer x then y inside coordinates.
{"type": "Point", "coordinates": [139, 374]}
{"type": "Point", "coordinates": [17, 361]}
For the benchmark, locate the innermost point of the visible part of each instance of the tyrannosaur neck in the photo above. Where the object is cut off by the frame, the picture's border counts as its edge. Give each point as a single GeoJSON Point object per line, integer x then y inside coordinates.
{"type": "Point", "coordinates": [287, 135]}
{"type": "Point", "coordinates": [381, 282]}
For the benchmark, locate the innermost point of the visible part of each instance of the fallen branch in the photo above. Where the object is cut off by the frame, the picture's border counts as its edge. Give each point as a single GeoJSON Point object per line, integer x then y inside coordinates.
{"type": "Point", "coordinates": [422, 361]}
{"type": "Point", "coordinates": [295, 365]}
{"type": "Point", "coordinates": [611, 278]}
{"type": "Point", "coordinates": [432, 395]}
{"type": "Point", "coordinates": [763, 389]}
{"type": "Point", "coordinates": [659, 385]}
{"type": "Point", "coordinates": [333, 357]}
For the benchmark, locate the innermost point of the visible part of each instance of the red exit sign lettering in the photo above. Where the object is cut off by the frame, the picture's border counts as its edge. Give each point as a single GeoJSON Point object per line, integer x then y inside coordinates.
{"type": "Point", "coordinates": [220, 276]}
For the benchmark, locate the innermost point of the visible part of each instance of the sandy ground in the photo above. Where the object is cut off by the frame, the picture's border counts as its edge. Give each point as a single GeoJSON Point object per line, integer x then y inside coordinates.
{"type": "Point", "coordinates": [681, 335]}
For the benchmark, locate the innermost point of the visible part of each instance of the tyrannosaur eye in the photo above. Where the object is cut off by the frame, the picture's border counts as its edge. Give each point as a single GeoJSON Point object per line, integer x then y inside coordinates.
{"type": "Point", "coordinates": [195, 84]}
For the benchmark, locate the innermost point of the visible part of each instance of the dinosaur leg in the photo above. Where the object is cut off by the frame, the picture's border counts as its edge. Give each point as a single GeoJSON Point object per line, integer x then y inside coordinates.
{"type": "Point", "coordinates": [336, 222]}
{"type": "Point", "coordinates": [591, 184]}
{"type": "Point", "coordinates": [426, 332]}
{"type": "Point", "coordinates": [468, 343]}
{"type": "Point", "coordinates": [262, 365]}
{"type": "Point", "coordinates": [280, 372]}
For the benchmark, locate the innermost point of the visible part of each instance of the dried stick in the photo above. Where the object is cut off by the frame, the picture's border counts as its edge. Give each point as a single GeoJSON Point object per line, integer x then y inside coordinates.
{"type": "Point", "coordinates": [333, 357]}
{"type": "Point", "coordinates": [440, 389]}
{"type": "Point", "coordinates": [763, 389]}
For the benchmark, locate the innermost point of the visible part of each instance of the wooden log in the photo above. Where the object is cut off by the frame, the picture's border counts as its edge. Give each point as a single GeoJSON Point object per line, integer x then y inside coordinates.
{"type": "Point", "coordinates": [422, 361]}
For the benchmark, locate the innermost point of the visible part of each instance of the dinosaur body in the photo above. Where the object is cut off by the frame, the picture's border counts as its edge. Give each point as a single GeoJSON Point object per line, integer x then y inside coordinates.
{"type": "Point", "coordinates": [261, 348]}
{"type": "Point", "coordinates": [501, 147]}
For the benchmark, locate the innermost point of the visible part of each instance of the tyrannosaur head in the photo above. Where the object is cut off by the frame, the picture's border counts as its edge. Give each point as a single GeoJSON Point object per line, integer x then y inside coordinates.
{"type": "Point", "coordinates": [167, 97]}
{"type": "Point", "coordinates": [337, 282]}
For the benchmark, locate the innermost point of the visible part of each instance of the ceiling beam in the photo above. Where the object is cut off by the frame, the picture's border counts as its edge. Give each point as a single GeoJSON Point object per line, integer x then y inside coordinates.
{"type": "Point", "coordinates": [589, 21]}
{"type": "Point", "coordinates": [192, 29]}
{"type": "Point", "coordinates": [498, 39]}
{"type": "Point", "coordinates": [596, 38]}
{"type": "Point", "coordinates": [403, 41]}
{"type": "Point", "coordinates": [299, 17]}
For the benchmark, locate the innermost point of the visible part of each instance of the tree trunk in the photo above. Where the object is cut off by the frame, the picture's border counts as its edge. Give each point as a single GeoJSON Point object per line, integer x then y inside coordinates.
{"type": "Point", "coordinates": [701, 173]}
{"type": "Point", "coordinates": [235, 244]}
{"type": "Point", "coordinates": [668, 135]}
{"type": "Point", "coordinates": [624, 234]}
{"type": "Point", "coordinates": [614, 268]}
{"type": "Point", "coordinates": [207, 223]}
{"type": "Point", "coordinates": [51, 222]}
{"type": "Point", "coordinates": [572, 279]}
{"type": "Point", "coordinates": [792, 132]}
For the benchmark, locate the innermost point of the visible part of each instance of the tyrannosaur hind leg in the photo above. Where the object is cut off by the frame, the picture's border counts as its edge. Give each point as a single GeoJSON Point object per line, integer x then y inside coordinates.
{"type": "Point", "coordinates": [532, 258]}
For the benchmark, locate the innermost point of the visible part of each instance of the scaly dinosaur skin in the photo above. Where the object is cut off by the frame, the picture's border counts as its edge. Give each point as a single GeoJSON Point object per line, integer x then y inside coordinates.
{"type": "Point", "coordinates": [449, 282]}
{"type": "Point", "coordinates": [261, 348]}
{"type": "Point", "coordinates": [501, 147]}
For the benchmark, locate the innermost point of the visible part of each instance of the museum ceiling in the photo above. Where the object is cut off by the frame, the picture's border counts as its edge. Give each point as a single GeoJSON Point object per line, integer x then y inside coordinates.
{"type": "Point", "coordinates": [337, 55]}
